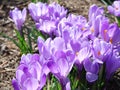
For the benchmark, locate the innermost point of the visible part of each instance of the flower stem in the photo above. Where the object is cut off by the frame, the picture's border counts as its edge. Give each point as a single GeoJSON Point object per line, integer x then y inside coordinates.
{"type": "Point", "coordinates": [117, 20]}
{"type": "Point", "coordinates": [48, 84]}
{"type": "Point", "coordinates": [29, 39]}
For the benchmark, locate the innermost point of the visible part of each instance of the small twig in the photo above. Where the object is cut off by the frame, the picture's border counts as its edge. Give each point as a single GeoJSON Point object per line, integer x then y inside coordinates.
{"type": "Point", "coordinates": [3, 64]}
{"type": "Point", "coordinates": [7, 70]}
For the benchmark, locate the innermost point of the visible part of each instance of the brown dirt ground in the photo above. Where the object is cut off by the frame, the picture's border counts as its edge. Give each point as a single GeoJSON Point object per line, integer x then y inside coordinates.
{"type": "Point", "coordinates": [9, 53]}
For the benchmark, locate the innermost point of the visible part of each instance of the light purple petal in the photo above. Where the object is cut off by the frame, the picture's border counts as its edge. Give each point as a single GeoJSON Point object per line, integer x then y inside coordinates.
{"type": "Point", "coordinates": [25, 59]}
{"type": "Point", "coordinates": [87, 65]}
{"type": "Point", "coordinates": [31, 84]}
{"type": "Point", "coordinates": [35, 70]}
{"type": "Point", "coordinates": [42, 81]}
{"type": "Point", "coordinates": [83, 54]}
{"type": "Point", "coordinates": [75, 45]}
{"type": "Point", "coordinates": [24, 14]}
{"type": "Point", "coordinates": [53, 67]}
{"type": "Point", "coordinates": [19, 74]}
{"type": "Point", "coordinates": [15, 84]}
{"type": "Point", "coordinates": [63, 63]}
{"type": "Point", "coordinates": [91, 77]}
{"type": "Point", "coordinates": [68, 86]}
{"type": "Point", "coordinates": [110, 9]}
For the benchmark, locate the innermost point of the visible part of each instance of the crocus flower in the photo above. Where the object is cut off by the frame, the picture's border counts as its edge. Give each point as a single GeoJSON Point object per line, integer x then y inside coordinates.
{"type": "Point", "coordinates": [29, 74]}
{"type": "Point", "coordinates": [94, 11]}
{"type": "Point", "coordinates": [46, 26]}
{"type": "Point", "coordinates": [61, 67]}
{"type": "Point", "coordinates": [109, 32]}
{"type": "Point", "coordinates": [92, 69]}
{"type": "Point", "coordinates": [56, 11]}
{"type": "Point", "coordinates": [18, 17]}
{"type": "Point", "coordinates": [114, 33]}
{"type": "Point", "coordinates": [112, 64]}
{"type": "Point", "coordinates": [57, 56]}
{"type": "Point", "coordinates": [101, 49]}
{"type": "Point", "coordinates": [73, 24]}
{"type": "Point", "coordinates": [38, 10]}
{"type": "Point", "coordinates": [83, 54]}
{"type": "Point", "coordinates": [49, 47]}
{"type": "Point", "coordinates": [115, 8]}
{"type": "Point", "coordinates": [95, 16]}
{"type": "Point", "coordinates": [47, 17]}
{"type": "Point", "coordinates": [103, 29]}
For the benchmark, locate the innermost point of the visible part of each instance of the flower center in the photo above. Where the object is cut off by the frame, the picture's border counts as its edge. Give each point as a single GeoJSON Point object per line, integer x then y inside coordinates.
{"type": "Point", "coordinates": [99, 53]}
{"type": "Point", "coordinates": [105, 31]}
{"type": "Point", "coordinates": [83, 28]}
{"type": "Point", "coordinates": [77, 53]}
{"type": "Point", "coordinates": [111, 40]}
{"type": "Point", "coordinates": [116, 8]}
{"type": "Point", "coordinates": [92, 29]}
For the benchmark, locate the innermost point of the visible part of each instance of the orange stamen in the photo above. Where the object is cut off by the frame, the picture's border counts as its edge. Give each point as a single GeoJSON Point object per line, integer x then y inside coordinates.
{"type": "Point", "coordinates": [99, 53]}
{"type": "Point", "coordinates": [92, 30]}
{"type": "Point", "coordinates": [111, 40]}
{"type": "Point", "coordinates": [83, 29]}
{"type": "Point", "coordinates": [77, 53]}
{"type": "Point", "coordinates": [105, 31]}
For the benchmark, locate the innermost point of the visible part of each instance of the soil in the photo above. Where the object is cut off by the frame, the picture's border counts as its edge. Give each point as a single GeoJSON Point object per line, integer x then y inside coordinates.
{"type": "Point", "coordinates": [9, 53]}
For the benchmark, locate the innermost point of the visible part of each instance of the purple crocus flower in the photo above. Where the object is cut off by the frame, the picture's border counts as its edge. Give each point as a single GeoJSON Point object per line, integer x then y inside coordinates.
{"type": "Point", "coordinates": [61, 67]}
{"type": "Point", "coordinates": [56, 11]}
{"type": "Point", "coordinates": [95, 17]}
{"type": "Point", "coordinates": [49, 47]}
{"type": "Point", "coordinates": [112, 63]}
{"type": "Point", "coordinates": [92, 69]}
{"type": "Point", "coordinates": [18, 17]}
{"type": "Point", "coordinates": [94, 11]}
{"type": "Point", "coordinates": [103, 29]}
{"type": "Point", "coordinates": [109, 32]}
{"type": "Point", "coordinates": [83, 54]}
{"type": "Point", "coordinates": [115, 8]}
{"type": "Point", "coordinates": [47, 17]}
{"type": "Point", "coordinates": [58, 58]}
{"type": "Point", "coordinates": [38, 10]}
{"type": "Point", "coordinates": [46, 26]}
{"type": "Point", "coordinates": [44, 48]}
{"type": "Point", "coordinates": [114, 33]}
{"type": "Point", "coordinates": [101, 49]}
{"type": "Point", "coordinates": [29, 74]}
{"type": "Point", "coordinates": [71, 30]}
{"type": "Point", "coordinates": [73, 24]}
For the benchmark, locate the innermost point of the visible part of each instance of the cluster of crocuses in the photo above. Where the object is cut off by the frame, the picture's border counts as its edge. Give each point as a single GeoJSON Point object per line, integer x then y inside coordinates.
{"type": "Point", "coordinates": [73, 42]}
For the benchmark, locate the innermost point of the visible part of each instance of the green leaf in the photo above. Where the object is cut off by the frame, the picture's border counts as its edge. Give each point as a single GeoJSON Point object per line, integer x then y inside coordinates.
{"type": "Point", "coordinates": [107, 2]}
{"type": "Point", "coordinates": [24, 47]}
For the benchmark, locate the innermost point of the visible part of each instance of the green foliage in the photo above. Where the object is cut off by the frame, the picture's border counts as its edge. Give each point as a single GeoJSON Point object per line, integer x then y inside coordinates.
{"type": "Point", "coordinates": [24, 40]}
{"type": "Point", "coordinates": [52, 84]}
{"type": "Point", "coordinates": [107, 2]}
